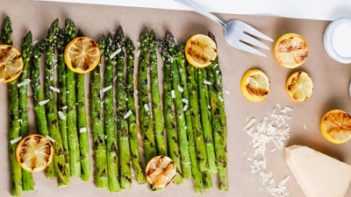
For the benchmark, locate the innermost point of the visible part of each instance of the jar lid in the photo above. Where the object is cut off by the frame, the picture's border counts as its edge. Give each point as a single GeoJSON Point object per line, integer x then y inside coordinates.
{"type": "Point", "coordinates": [337, 40]}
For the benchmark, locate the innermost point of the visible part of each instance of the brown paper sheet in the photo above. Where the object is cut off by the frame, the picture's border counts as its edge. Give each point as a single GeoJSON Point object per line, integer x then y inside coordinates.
{"type": "Point", "coordinates": [330, 80]}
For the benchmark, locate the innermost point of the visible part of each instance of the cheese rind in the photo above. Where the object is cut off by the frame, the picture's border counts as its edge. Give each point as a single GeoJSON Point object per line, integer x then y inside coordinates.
{"type": "Point", "coordinates": [318, 175]}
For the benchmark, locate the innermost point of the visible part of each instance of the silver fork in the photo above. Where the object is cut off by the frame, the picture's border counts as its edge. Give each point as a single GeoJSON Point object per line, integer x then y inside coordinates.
{"type": "Point", "coordinates": [238, 34]}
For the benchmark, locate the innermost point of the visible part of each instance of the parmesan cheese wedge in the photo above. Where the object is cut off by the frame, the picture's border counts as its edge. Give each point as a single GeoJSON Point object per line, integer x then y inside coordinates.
{"type": "Point", "coordinates": [318, 174]}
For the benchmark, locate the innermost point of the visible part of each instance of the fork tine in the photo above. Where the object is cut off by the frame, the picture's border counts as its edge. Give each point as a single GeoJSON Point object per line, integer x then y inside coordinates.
{"type": "Point", "coordinates": [253, 31]}
{"type": "Point", "coordinates": [250, 40]}
{"type": "Point", "coordinates": [244, 47]}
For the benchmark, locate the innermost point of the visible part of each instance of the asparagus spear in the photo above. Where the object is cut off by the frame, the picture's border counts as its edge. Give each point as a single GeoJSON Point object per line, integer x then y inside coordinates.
{"type": "Point", "coordinates": [6, 31]}
{"type": "Point", "coordinates": [195, 170]}
{"type": "Point", "coordinates": [205, 119]}
{"type": "Point", "coordinates": [121, 111]}
{"type": "Point", "coordinates": [156, 99]}
{"type": "Point", "coordinates": [144, 100]}
{"type": "Point", "coordinates": [39, 97]}
{"type": "Point", "coordinates": [27, 179]}
{"type": "Point", "coordinates": [196, 120]}
{"type": "Point", "coordinates": [133, 130]}
{"type": "Point", "coordinates": [61, 168]}
{"type": "Point", "coordinates": [14, 133]}
{"type": "Point", "coordinates": [62, 96]}
{"type": "Point", "coordinates": [82, 124]}
{"type": "Point", "coordinates": [72, 133]}
{"type": "Point", "coordinates": [14, 127]}
{"type": "Point", "coordinates": [109, 119]}
{"type": "Point", "coordinates": [181, 124]}
{"type": "Point", "coordinates": [197, 127]}
{"type": "Point", "coordinates": [219, 124]}
{"type": "Point", "coordinates": [168, 109]}
{"type": "Point", "coordinates": [97, 127]}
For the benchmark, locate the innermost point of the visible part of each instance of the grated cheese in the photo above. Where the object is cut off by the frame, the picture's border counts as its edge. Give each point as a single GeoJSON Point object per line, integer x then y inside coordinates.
{"type": "Point", "coordinates": [51, 139]}
{"type": "Point", "coordinates": [14, 141]}
{"type": "Point", "coordinates": [61, 115]}
{"type": "Point", "coordinates": [185, 107]}
{"type": "Point", "coordinates": [106, 89]}
{"type": "Point", "coordinates": [54, 89]}
{"type": "Point", "coordinates": [180, 88]}
{"type": "Point", "coordinates": [272, 131]}
{"type": "Point", "coordinates": [127, 114]}
{"type": "Point", "coordinates": [83, 130]}
{"type": "Point", "coordinates": [43, 102]}
{"type": "Point", "coordinates": [146, 107]}
{"type": "Point", "coordinates": [115, 53]}
{"type": "Point", "coordinates": [23, 83]}
{"type": "Point", "coordinates": [207, 82]}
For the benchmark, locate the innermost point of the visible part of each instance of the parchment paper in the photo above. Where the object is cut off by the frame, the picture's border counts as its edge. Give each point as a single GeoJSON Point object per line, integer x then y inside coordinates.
{"type": "Point", "coordinates": [330, 80]}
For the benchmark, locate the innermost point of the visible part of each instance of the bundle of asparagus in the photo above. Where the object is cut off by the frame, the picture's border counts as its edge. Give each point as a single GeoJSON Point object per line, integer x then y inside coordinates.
{"type": "Point", "coordinates": [186, 121]}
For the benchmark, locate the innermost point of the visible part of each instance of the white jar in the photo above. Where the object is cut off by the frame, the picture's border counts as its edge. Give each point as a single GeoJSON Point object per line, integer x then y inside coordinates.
{"type": "Point", "coordinates": [337, 40]}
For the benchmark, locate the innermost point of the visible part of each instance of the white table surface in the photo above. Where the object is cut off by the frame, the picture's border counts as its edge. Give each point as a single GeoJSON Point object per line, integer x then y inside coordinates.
{"type": "Point", "coordinates": [307, 9]}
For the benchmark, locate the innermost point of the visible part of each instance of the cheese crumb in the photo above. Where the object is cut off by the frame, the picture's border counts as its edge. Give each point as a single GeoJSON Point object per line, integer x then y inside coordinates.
{"type": "Point", "coordinates": [272, 131]}
{"type": "Point", "coordinates": [83, 130]}
{"type": "Point", "coordinates": [54, 89]}
{"type": "Point", "coordinates": [23, 83]}
{"type": "Point", "coordinates": [127, 114]}
{"type": "Point", "coordinates": [43, 102]}
{"type": "Point", "coordinates": [51, 139]}
{"type": "Point", "coordinates": [14, 141]}
{"type": "Point", "coordinates": [61, 115]}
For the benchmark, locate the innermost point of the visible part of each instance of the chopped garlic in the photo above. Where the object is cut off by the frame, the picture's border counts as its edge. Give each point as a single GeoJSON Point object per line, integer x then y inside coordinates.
{"type": "Point", "coordinates": [127, 114]}
{"type": "Point", "coordinates": [180, 88]}
{"type": "Point", "coordinates": [23, 83]}
{"type": "Point", "coordinates": [44, 102]}
{"type": "Point", "coordinates": [61, 115]}
{"type": "Point", "coordinates": [83, 130]}
{"type": "Point", "coordinates": [14, 141]}
{"type": "Point", "coordinates": [173, 94]}
{"type": "Point", "coordinates": [51, 139]}
{"type": "Point", "coordinates": [64, 107]}
{"type": "Point", "coordinates": [54, 89]}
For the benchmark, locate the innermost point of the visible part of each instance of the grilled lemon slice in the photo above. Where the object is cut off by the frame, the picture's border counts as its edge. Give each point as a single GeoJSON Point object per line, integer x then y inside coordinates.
{"type": "Point", "coordinates": [299, 86]}
{"type": "Point", "coordinates": [200, 50]}
{"type": "Point", "coordinates": [290, 50]}
{"type": "Point", "coordinates": [336, 126]}
{"type": "Point", "coordinates": [255, 85]}
{"type": "Point", "coordinates": [34, 153]}
{"type": "Point", "coordinates": [11, 63]}
{"type": "Point", "coordinates": [82, 55]}
{"type": "Point", "coordinates": [160, 171]}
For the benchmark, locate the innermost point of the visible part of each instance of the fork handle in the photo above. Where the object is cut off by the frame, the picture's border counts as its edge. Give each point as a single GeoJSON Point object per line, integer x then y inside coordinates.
{"type": "Point", "coordinates": [199, 9]}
